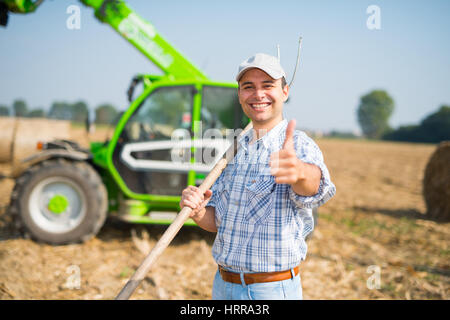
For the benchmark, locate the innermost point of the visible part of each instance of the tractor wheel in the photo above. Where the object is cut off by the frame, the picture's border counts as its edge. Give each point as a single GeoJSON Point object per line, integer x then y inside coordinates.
{"type": "Point", "coordinates": [59, 202]}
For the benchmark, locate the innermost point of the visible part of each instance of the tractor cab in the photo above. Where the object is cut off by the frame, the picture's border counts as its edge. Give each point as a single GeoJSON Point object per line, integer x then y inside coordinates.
{"type": "Point", "coordinates": [171, 136]}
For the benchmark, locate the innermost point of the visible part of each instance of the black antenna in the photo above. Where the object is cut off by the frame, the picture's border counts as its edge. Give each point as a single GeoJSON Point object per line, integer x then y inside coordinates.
{"type": "Point", "coordinates": [298, 59]}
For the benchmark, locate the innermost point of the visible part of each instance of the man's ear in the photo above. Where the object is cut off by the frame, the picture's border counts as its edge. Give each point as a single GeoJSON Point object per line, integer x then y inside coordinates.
{"type": "Point", "coordinates": [286, 93]}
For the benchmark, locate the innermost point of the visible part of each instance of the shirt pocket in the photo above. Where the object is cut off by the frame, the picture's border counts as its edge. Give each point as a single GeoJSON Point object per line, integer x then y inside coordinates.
{"type": "Point", "coordinates": [260, 198]}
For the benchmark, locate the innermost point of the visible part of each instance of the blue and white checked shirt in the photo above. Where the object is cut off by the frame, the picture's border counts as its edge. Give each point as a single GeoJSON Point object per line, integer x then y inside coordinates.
{"type": "Point", "coordinates": [262, 225]}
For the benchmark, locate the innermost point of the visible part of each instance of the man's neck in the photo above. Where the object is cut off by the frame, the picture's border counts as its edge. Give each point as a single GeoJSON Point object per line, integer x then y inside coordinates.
{"type": "Point", "coordinates": [260, 129]}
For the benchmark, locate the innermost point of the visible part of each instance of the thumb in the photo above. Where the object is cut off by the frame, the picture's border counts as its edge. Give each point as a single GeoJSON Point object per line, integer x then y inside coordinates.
{"type": "Point", "coordinates": [208, 194]}
{"type": "Point", "coordinates": [289, 140]}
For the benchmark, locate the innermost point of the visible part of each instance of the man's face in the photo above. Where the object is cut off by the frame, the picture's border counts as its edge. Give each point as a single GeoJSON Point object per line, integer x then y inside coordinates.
{"type": "Point", "coordinates": [262, 98]}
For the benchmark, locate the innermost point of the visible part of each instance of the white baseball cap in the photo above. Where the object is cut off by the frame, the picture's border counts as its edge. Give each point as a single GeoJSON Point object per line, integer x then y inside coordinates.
{"type": "Point", "coordinates": [269, 64]}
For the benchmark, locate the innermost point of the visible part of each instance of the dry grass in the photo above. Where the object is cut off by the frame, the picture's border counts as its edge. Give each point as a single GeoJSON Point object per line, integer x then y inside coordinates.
{"type": "Point", "coordinates": [375, 219]}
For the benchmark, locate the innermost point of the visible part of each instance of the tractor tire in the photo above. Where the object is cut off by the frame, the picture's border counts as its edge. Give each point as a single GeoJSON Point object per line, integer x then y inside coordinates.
{"type": "Point", "coordinates": [59, 202]}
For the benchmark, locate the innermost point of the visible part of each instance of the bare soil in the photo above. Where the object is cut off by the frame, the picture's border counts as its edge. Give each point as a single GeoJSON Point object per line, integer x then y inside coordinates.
{"type": "Point", "coordinates": [375, 228]}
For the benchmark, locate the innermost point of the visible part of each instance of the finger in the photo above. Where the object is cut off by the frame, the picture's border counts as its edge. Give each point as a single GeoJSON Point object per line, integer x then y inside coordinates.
{"type": "Point", "coordinates": [203, 205]}
{"type": "Point", "coordinates": [188, 191]}
{"type": "Point", "coordinates": [187, 203]}
{"type": "Point", "coordinates": [281, 172]}
{"type": "Point", "coordinates": [288, 162]}
{"type": "Point", "coordinates": [289, 140]}
{"type": "Point", "coordinates": [196, 191]}
{"type": "Point", "coordinates": [284, 179]}
{"type": "Point", "coordinates": [195, 198]}
{"type": "Point", "coordinates": [282, 154]}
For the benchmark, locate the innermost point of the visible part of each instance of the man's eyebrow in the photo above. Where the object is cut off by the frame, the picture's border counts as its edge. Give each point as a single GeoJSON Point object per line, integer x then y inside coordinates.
{"type": "Point", "coordinates": [249, 82]}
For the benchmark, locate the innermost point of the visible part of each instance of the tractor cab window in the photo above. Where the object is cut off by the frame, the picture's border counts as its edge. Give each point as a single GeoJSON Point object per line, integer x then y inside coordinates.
{"type": "Point", "coordinates": [221, 109]}
{"type": "Point", "coordinates": [164, 111]}
{"type": "Point", "coordinates": [143, 154]}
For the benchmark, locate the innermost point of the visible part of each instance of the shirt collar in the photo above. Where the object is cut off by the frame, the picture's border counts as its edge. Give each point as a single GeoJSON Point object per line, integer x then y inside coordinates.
{"type": "Point", "coordinates": [269, 140]}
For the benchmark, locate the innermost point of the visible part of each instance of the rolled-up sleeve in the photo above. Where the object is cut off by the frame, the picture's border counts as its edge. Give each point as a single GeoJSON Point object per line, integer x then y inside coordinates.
{"type": "Point", "coordinates": [308, 152]}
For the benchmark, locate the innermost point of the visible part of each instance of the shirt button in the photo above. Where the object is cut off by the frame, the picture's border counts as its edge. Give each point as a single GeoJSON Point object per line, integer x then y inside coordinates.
{"type": "Point", "coordinates": [253, 181]}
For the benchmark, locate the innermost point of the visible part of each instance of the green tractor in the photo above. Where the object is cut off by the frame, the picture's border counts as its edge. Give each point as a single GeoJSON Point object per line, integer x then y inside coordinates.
{"type": "Point", "coordinates": [65, 192]}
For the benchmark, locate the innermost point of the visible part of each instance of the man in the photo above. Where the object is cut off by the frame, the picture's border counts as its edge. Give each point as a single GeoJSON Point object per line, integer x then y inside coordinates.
{"type": "Point", "coordinates": [261, 205]}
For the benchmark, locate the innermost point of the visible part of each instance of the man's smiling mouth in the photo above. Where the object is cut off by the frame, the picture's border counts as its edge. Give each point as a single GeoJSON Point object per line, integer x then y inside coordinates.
{"type": "Point", "coordinates": [260, 106]}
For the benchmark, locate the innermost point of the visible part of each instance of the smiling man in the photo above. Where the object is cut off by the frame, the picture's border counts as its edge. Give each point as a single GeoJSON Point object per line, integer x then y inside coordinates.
{"type": "Point", "coordinates": [261, 205]}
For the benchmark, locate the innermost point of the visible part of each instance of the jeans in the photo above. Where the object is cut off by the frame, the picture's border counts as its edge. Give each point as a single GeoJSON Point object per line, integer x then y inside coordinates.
{"type": "Point", "coordinates": [290, 289]}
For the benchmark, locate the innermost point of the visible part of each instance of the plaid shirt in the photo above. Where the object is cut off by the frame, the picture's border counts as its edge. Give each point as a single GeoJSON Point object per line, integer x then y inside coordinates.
{"type": "Point", "coordinates": [262, 225]}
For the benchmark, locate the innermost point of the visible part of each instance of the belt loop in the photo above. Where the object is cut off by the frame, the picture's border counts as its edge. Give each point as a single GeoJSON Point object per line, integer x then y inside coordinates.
{"type": "Point", "coordinates": [242, 279]}
{"type": "Point", "coordinates": [292, 273]}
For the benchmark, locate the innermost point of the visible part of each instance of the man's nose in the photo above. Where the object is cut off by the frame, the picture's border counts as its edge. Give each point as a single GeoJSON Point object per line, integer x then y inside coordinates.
{"type": "Point", "coordinates": [260, 93]}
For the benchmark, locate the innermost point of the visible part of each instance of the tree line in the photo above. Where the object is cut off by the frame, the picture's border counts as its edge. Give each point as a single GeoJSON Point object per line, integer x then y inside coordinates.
{"type": "Point", "coordinates": [375, 109]}
{"type": "Point", "coordinates": [74, 112]}
{"type": "Point", "coordinates": [373, 113]}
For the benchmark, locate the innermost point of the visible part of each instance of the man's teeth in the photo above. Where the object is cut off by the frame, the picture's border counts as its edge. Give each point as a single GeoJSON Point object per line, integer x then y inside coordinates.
{"type": "Point", "coordinates": [260, 105]}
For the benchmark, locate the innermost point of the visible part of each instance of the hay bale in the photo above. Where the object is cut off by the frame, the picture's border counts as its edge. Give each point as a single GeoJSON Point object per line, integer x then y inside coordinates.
{"type": "Point", "coordinates": [30, 131]}
{"type": "Point", "coordinates": [436, 183]}
{"type": "Point", "coordinates": [7, 126]}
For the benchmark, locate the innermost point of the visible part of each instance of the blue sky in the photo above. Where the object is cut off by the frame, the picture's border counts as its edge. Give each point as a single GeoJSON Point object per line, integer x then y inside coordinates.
{"type": "Point", "coordinates": [42, 61]}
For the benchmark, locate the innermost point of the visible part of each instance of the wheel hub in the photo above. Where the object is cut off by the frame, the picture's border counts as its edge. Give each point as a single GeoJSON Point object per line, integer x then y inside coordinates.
{"type": "Point", "coordinates": [58, 204]}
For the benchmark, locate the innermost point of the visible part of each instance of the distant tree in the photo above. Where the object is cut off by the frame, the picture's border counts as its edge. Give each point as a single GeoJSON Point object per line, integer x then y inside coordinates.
{"type": "Point", "coordinates": [20, 108]}
{"type": "Point", "coordinates": [105, 114]}
{"type": "Point", "coordinates": [4, 111]}
{"type": "Point", "coordinates": [438, 124]}
{"type": "Point", "coordinates": [342, 134]}
{"type": "Point", "coordinates": [80, 111]}
{"type": "Point", "coordinates": [373, 112]}
{"type": "Point", "coordinates": [36, 113]}
{"type": "Point", "coordinates": [433, 128]}
{"type": "Point", "coordinates": [76, 112]}
{"type": "Point", "coordinates": [60, 110]}
{"type": "Point", "coordinates": [411, 133]}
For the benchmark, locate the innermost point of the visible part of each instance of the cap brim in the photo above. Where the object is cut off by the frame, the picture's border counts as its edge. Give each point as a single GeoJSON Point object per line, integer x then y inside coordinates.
{"type": "Point", "coordinates": [273, 74]}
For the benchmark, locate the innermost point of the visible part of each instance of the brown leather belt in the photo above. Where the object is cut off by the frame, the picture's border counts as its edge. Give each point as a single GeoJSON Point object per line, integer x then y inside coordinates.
{"type": "Point", "coordinates": [250, 278]}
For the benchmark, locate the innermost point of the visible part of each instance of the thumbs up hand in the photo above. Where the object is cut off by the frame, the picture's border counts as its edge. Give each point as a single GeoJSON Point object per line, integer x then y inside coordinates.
{"type": "Point", "coordinates": [284, 164]}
